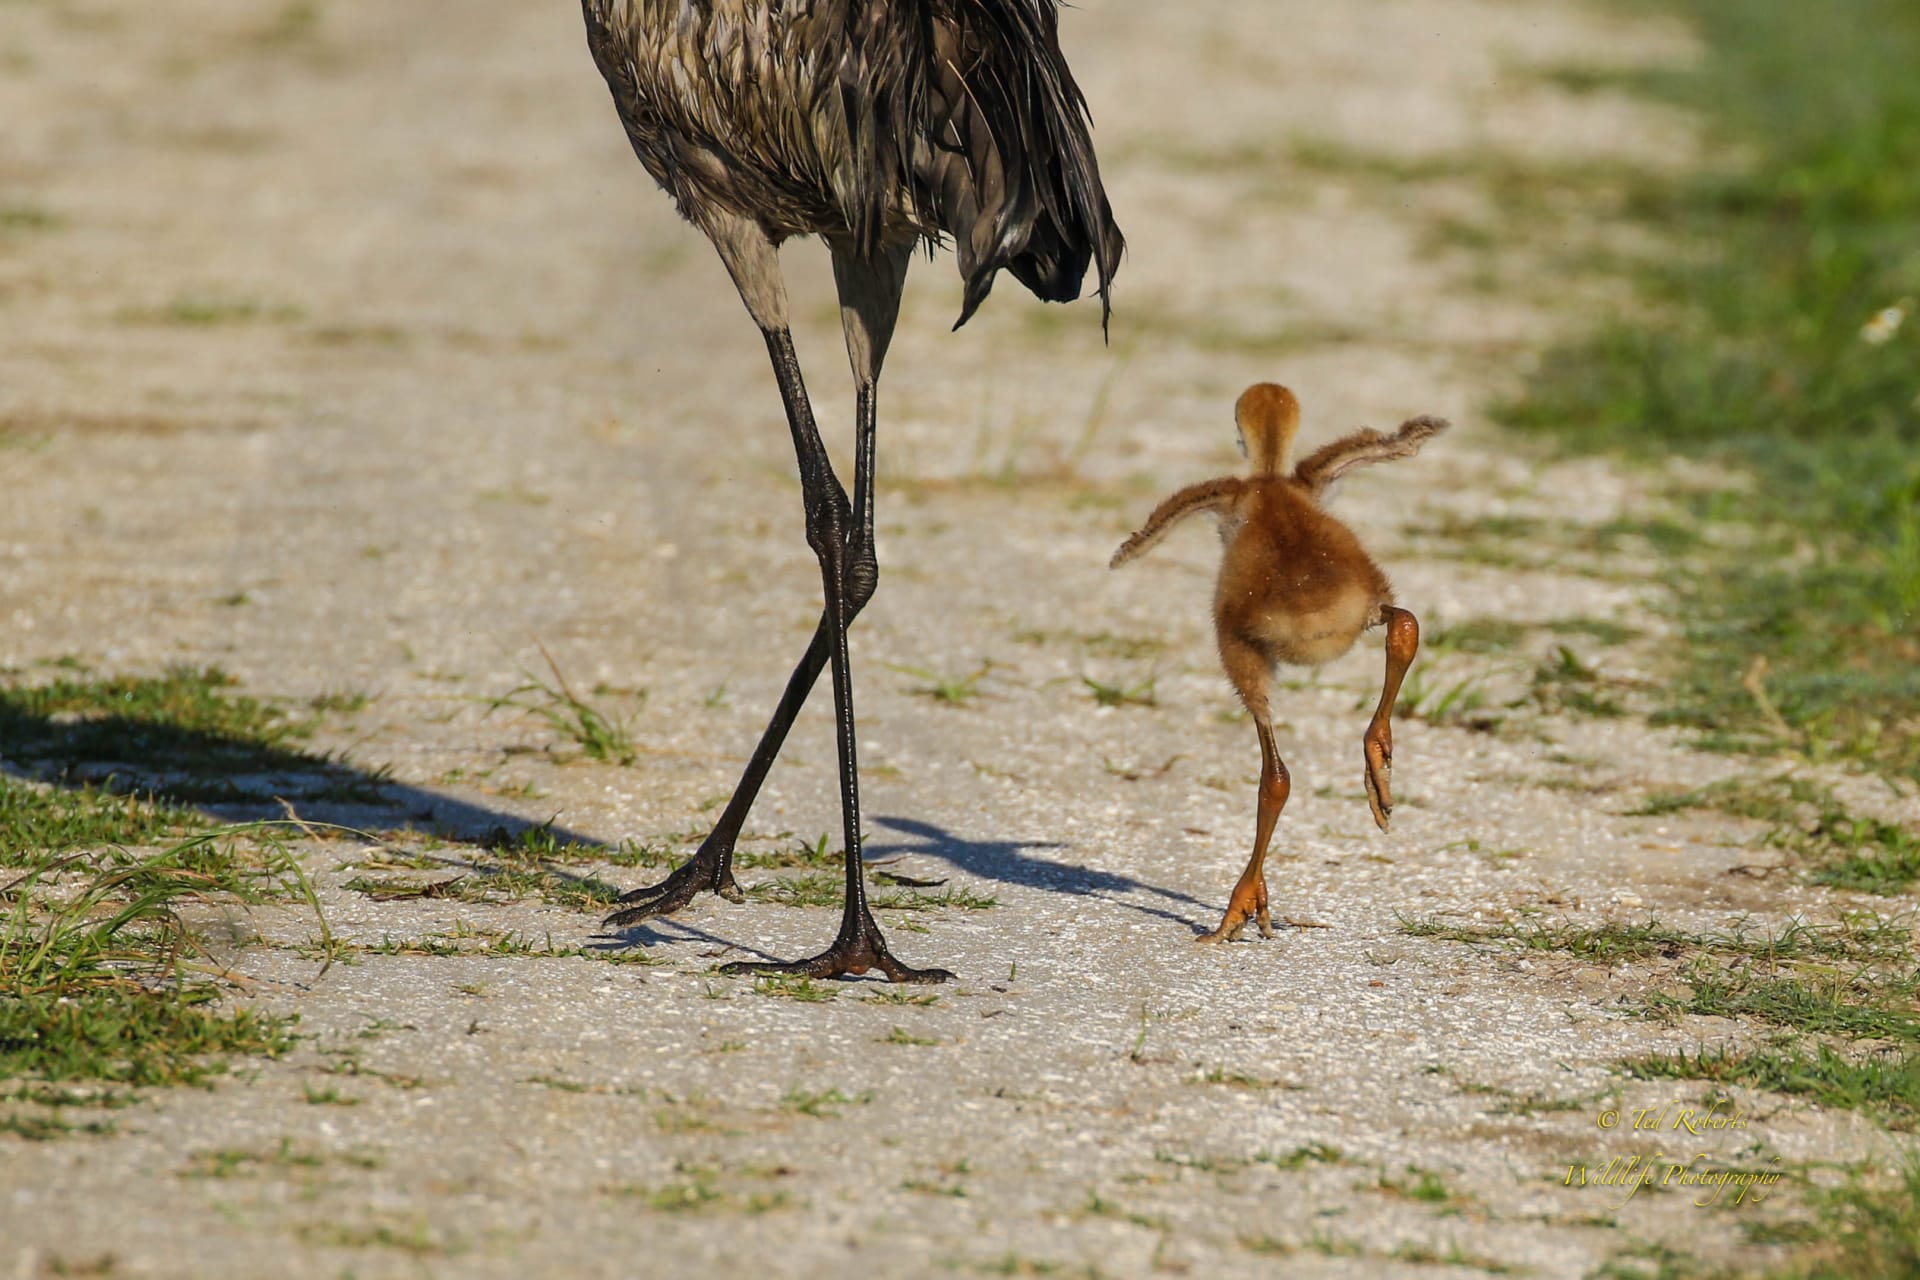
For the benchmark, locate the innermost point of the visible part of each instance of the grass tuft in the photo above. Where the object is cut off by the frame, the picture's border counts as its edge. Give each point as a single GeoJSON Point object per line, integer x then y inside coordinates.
{"type": "Point", "coordinates": [94, 979]}
{"type": "Point", "coordinates": [950, 690]}
{"type": "Point", "coordinates": [1837, 847]}
{"type": "Point", "coordinates": [599, 735]}
{"type": "Point", "coordinates": [1122, 694]}
{"type": "Point", "coordinates": [182, 737]}
{"type": "Point", "coordinates": [1886, 1084]}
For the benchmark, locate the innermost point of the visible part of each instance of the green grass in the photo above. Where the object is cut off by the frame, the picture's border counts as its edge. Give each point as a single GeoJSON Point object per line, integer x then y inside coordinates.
{"type": "Point", "coordinates": [600, 735]}
{"type": "Point", "coordinates": [828, 889]}
{"type": "Point", "coordinates": [501, 882]}
{"type": "Point", "coordinates": [821, 1104]}
{"type": "Point", "coordinates": [1871, 1229]}
{"type": "Point", "coordinates": [796, 853]}
{"type": "Point", "coordinates": [40, 823]}
{"type": "Point", "coordinates": [29, 217]}
{"type": "Point", "coordinates": [1102, 644]}
{"type": "Point", "coordinates": [234, 1162]}
{"type": "Point", "coordinates": [1477, 635]}
{"type": "Point", "coordinates": [699, 1192]}
{"type": "Point", "coordinates": [134, 1038]}
{"type": "Point", "coordinates": [1652, 1260]}
{"type": "Point", "coordinates": [952, 690]}
{"type": "Point", "coordinates": [1235, 1079]}
{"type": "Point", "coordinates": [297, 22]}
{"type": "Point", "coordinates": [1452, 1256]}
{"type": "Point", "coordinates": [791, 987]}
{"type": "Point", "coordinates": [1421, 1185]}
{"type": "Point", "coordinates": [468, 940]}
{"type": "Point", "coordinates": [1862, 938]}
{"type": "Point", "coordinates": [506, 867]}
{"type": "Point", "coordinates": [1301, 1157]}
{"type": "Point", "coordinates": [948, 1184]}
{"type": "Point", "coordinates": [98, 972]}
{"type": "Point", "coordinates": [1835, 1005]}
{"type": "Point", "coordinates": [1107, 644]}
{"type": "Point", "coordinates": [209, 310]}
{"type": "Point", "coordinates": [1439, 701]}
{"type": "Point", "coordinates": [1836, 846]}
{"type": "Point", "coordinates": [689, 1196]}
{"type": "Point", "coordinates": [1120, 693]}
{"type": "Point", "coordinates": [1764, 346]}
{"type": "Point", "coordinates": [1857, 1006]}
{"type": "Point", "coordinates": [1602, 631]}
{"type": "Point", "coordinates": [87, 717]}
{"type": "Point", "coordinates": [42, 1127]}
{"type": "Point", "coordinates": [1881, 1084]}
{"type": "Point", "coordinates": [541, 844]}
{"type": "Point", "coordinates": [1566, 683]}
{"type": "Point", "coordinates": [417, 1238]}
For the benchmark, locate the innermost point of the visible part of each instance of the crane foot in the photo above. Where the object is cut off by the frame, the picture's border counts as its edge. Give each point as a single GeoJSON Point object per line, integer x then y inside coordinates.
{"type": "Point", "coordinates": [710, 869]}
{"type": "Point", "coordinates": [850, 955]}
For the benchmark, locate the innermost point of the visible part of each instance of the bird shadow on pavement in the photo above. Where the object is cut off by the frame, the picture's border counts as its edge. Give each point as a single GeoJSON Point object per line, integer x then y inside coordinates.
{"type": "Point", "coordinates": [184, 740]}
{"type": "Point", "coordinates": [1008, 862]}
{"type": "Point", "coordinates": [652, 933]}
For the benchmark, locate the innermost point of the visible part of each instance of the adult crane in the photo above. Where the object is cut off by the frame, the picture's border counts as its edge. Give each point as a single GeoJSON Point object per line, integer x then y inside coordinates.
{"type": "Point", "coordinates": [878, 126]}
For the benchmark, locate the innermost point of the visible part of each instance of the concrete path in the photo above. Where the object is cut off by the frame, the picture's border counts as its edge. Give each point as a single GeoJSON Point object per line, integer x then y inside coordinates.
{"type": "Point", "coordinates": [364, 359]}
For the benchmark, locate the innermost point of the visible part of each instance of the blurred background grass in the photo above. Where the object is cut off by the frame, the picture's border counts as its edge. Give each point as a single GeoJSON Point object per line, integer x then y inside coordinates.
{"type": "Point", "coordinates": [1777, 343]}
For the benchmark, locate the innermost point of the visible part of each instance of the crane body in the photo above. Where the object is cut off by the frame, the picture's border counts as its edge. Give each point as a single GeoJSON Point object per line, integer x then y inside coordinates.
{"type": "Point", "coordinates": [877, 126]}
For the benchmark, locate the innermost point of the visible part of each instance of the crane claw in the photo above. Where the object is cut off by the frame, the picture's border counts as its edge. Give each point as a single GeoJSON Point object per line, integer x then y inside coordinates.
{"type": "Point", "coordinates": [707, 869]}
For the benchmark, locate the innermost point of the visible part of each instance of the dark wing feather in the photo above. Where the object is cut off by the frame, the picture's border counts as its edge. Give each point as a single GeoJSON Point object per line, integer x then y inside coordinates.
{"type": "Point", "coordinates": [871, 120]}
{"type": "Point", "coordinates": [1005, 161]}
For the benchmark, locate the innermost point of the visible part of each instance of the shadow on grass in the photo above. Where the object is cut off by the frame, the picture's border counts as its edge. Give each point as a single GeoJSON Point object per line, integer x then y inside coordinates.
{"type": "Point", "coordinates": [139, 760]}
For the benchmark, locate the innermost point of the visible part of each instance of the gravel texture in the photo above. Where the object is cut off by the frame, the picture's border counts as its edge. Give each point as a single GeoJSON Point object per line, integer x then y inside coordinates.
{"type": "Point", "coordinates": [476, 390]}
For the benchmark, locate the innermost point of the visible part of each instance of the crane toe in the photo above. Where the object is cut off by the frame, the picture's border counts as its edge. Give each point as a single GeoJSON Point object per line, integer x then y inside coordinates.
{"type": "Point", "coordinates": [846, 958]}
{"type": "Point", "coordinates": [706, 870]}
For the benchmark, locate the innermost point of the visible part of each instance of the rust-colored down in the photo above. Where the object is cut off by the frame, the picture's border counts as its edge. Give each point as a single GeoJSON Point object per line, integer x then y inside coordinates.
{"type": "Point", "coordinates": [1295, 586]}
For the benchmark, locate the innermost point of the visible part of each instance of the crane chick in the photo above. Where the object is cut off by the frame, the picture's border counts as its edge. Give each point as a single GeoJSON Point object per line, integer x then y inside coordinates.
{"type": "Point", "coordinates": [1297, 587]}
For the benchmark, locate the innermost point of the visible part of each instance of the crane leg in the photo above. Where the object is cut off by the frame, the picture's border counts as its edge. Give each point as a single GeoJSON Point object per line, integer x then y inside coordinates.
{"type": "Point", "coordinates": [711, 866]}
{"type": "Point", "coordinates": [842, 538]}
{"type": "Point", "coordinates": [1249, 900]}
{"type": "Point", "coordinates": [1403, 641]}
{"type": "Point", "coordinates": [753, 262]}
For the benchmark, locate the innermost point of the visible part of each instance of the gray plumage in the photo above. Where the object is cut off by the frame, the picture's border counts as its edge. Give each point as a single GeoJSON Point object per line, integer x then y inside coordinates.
{"type": "Point", "coordinates": [879, 126]}
{"type": "Point", "coordinates": [870, 123]}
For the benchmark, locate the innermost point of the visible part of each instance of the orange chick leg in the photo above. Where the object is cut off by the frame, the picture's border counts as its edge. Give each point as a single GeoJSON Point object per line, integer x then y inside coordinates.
{"type": "Point", "coordinates": [1249, 900]}
{"type": "Point", "coordinates": [1403, 641]}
